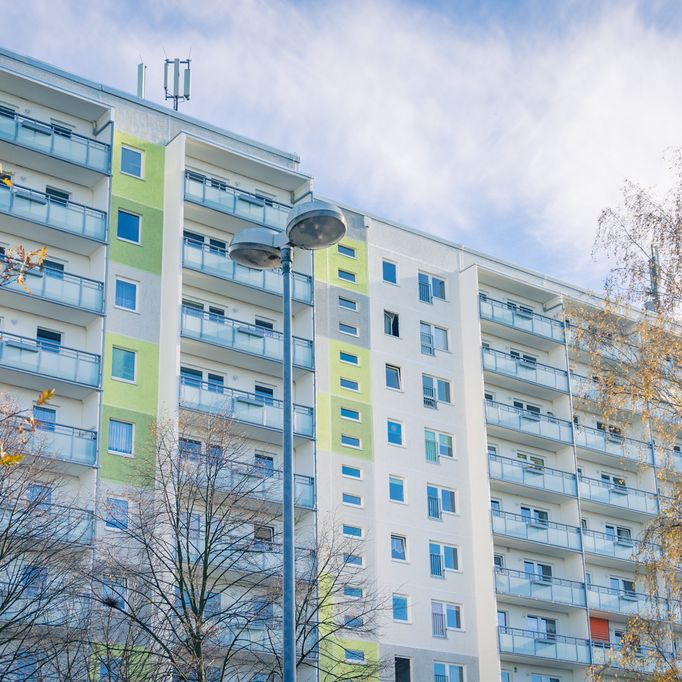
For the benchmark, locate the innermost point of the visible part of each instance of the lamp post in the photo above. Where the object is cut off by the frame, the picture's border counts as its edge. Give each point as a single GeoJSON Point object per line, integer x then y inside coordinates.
{"type": "Point", "coordinates": [311, 225]}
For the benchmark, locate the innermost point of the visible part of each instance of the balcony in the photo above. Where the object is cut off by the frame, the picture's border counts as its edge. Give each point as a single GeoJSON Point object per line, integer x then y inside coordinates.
{"type": "Point", "coordinates": [64, 443]}
{"type": "Point", "coordinates": [77, 157]}
{"type": "Point", "coordinates": [670, 459]}
{"type": "Point", "coordinates": [234, 201]}
{"type": "Point", "coordinates": [542, 478]}
{"type": "Point", "coordinates": [62, 523]}
{"type": "Point", "coordinates": [533, 426]}
{"type": "Point", "coordinates": [29, 362]}
{"type": "Point", "coordinates": [612, 550]}
{"type": "Point", "coordinates": [556, 538]}
{"type": "Point", "coordinates": [266, 285]}
{"type": "Point", "coordinates": [529, 325]}
{"type": "Point", "coordinates": [50, 289]}
{"type": "Point", "coordinates": [543, 645]}
{"type": "Point", "coordinates": [626, 499]}
{"type": "Point", "coordinates": [527, 586]}
{"type": "Point", "coordinates": [626, 602]}
{"type": "Point", "coordinates": [544, 379]}
{"type": "Point", "coordinates": [608, 446]}
{"type": "Point", "coordinates": [249, 409]}
{"type": "Point", "coordinates": [72, 226]}
{"type": "Point", "coordinates": [257, 558]}
{"type": "Point", "coordinates": [608, 653]}
{"type": "Point", "coordinates": [245, 345]}
{"type": "Point", "coordinates": [46, 610]}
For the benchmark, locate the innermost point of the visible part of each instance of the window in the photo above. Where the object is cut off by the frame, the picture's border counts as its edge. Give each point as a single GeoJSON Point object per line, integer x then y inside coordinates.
{"type": "Point", "coordinates": [349, 384]}
{"type": "Point", "coordinates": [395, 432]}
{"type": "Point", "coordinates": [393, 377]}
{"type": "Point", "coordinates": [541, 678]}
{"type": "Point", "coordinates": [391, 323]}
{"type": "Point", "coordinates": [622, 535]}
{"type": "Point", "coordinates": [352, 500]}
{"type": "Point", "coordinates": [347, 276]}
{"type": "Point", "coordinates": [53, 269]}
{"type": "Point", "coordinates": [435, 391]}
{"type": "Point", "coordinates": [352, 559]}
{"type": "Point", "coordinates": [117, 513]}
{"type": "Point", "coordinates": [350, 441]}
{"type": "Point", "coordinates": [445, 617]}
{"type": "Point", "coordinates": [396, 489]}
{"type": "Point", "coordinates": [533, 461]}
{"type": "Point", "coordinates": [403, 669]}
{"type": "Point", "coordinates": [110, 671]}
{"type": "Point", "coordinates": [624, 586]}
{"type": "Point", "coordinates": [354, 655]}
{"type": "Point", "coordinates": [616, 483]}
{"type": "Point", "coordinates": [120, 437]}
{"type": "Point", "coordinates": [46, 417]}
{"type": "Point", "coordinates": [348, 304]}
{"type": "Point", "coordinates": [188, 448]}
{"type": "Point", "coordinates": [538, 518]}
{"type": "Point", "coordinates": [398, 548]}
{"type": "Point", "coordinates": [498, 560]}
{"type": "Point", "coordinates": [350, 472]}
{"type": "Point", "coordinates": [353, 622]}
{"type": "Point", "coordinates": [400, 608]}
{"type": "Point", "coordinates": [348, 329]}
{"type": "Point", "coordinates": [540, 572]}
{"type": "Point", "coordinates": [501, 619]}
{"type": "Point", "coordinates": [57, 196]}
{"type": "Point", "coordinates": [125, 295]}
{"type": "Point", "coordinates": [350, 358]}
{"type": "Point", "coordinates": [263, 394]}
{"type": "Point", "coordinates": [448, 672]}
{"type": "Point", "coordinates": [216, 383]}
{"type": "Point", "coordinates": [506, 676]}
{"type": "Point", "coordinates": [437, 445]}
{"type": "Point", "coordinates": [346, 250]}
{"type": "Point", "coordinates": [496, 507]}
{"type": "Point", "coordinates": [34, 580]}
{"type": "Point", "coordinates": [524, 359]}
{"type": "Point", "coordinates": [39, 496]}
{"type": "Point", "coordinates": [123, 364]}
{"type": "Point", "coordinates": [442, 558]}
{"type": "Point", "coordinates": [131, 162]}
{"type": "Point", "coordinates": [352, 415]}
{"type": "Point", "coordinates": [440, 500]}
{"type": "Point", "coordinates": [264, 464]}
{"type": "Point", "coordinates": [430, 287]}
{"type": "Point", "coordinates": [190, 377]}
{"type": "Point", "coordinates": [128, 227]}
{"type": "Point", "coordinates": [352, 531]}
{"type": "Point", "coordinates": [48, 340]}
{"type": "Point", "coordinates": [432, 338]}
{"type": "Point", "coordinates": [389, 271]}
{"type": "Point", "coordinates": [352, 592]}
{"type": "Point", "coordinates": [544, 628]}
{"type": "Point", "coordinates": [114, 591]}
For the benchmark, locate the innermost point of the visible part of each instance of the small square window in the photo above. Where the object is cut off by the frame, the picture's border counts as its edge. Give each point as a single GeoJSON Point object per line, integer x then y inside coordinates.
{"type": "Point", "coordinates": [123, 364]}
{"type": "Point", "coordinates": [393, 377]}
{"type": "Point", "coordinates": [398, 548]}
{"type": "Point", "coordinates": [394, 432]}
{"type": "Point", "coordinates": [348, 304]}
{"type": "Point", "coordinates": [390, 272]}
{"type": "Point", "coordinates": [347, 276]}
{"type": "Point", "coordinates": [350, 358]}
{"type": "Point", "coordinates": [120, 437]}
{"type": "Point", "coordinates": [346, 250]}
{"type": "Point", "coordinates": [350, 441]}
{"type": "Point", "coordinates": [352, 500]}
{"type": "Point", "coordinates": [396, 489]}
{"type": "Point", "coordinates": [128, 227]}
{"type": "Point", "coordinates": [131, 162]}
{"type": "Point", "coordinates": [117, 513]}
{"type": "Point", "coordinates": [125, 295]}
{"type": "Point", "coordinates": [354, 656]}
{"type": "Point", "coordinates": [352, 559]}
{"type": "Point", "coordinates": [349, 329]}
{"type": "Point", "coordinates": [400, 608]}
{"type": "Point", "coordinates": [352, 531]}
{"type": "Point", "coordinates": [351, 415]}
{"type": "Point", "coordinates": [352, 592]}
{"type": "Point", "coordinates": [349, 384]}
{"type": "Point", "coordinates": [351, 472]}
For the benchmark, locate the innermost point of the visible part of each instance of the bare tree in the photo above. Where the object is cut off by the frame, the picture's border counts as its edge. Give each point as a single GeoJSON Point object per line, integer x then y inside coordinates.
{"type": "Point", "coordinates": [193, 571]}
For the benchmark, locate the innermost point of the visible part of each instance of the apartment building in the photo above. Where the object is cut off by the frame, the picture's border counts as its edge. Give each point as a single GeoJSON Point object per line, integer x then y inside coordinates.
{"type": "Point", "coordinates": [442, 417]}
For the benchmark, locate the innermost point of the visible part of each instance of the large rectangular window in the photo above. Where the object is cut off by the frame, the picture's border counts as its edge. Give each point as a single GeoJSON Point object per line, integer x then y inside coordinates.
{"type": "Point", "coordinates": [401, 611]}
{"type": "Point", "coordinates": [391, 323]}
{"type": "Point", "coordinates": [448, 672]}
{"type": "Point", "coordinates": [116, 513]}
{"type": "Point", "coordinates": [128, 227]}
{"type": "Point", "coordinates": [389, 271]}
{"type": "Point", "coordinates": [393, 377]}
{"type": "Point", "coordinates": [398, 548]}
{"type": "Point", "coordinates": [123, 364]}
{"type": "Point", "coordinates": [125, 294]}
{"type": "Point", "coordinates": [396, 489]}
{"type": "Point", "coordinates": [394, 432]}
{"type": "Point", "coordinates": [120, 437]}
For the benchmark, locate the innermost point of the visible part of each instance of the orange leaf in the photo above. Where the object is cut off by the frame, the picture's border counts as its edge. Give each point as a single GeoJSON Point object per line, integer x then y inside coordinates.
{"type": "Point", "coordinates": [44, 396]}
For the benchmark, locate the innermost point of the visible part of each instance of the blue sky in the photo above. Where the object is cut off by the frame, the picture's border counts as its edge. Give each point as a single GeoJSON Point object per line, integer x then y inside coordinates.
{"type": "Point", "coordinates": [506, 126]}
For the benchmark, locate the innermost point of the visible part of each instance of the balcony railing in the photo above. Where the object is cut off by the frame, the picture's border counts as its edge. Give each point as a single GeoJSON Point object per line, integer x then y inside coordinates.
{"type": "Point", "coordinates": [61, 287]}
{"type": "Point", "coordinates": [612, 444]}
{"type": "Point", "coordinates": [536, 530]}
{"type": "Point", "coordinates": [235, 201]}
{"type": "Point", "coordinates": [626, 602]}
{"type": "Point", "coordinates": [543, 645]}
{"type": "Point", "coordinates": [39, 207]}
{"type": "Point", "coordinates": [527, 421]}
{"type": "Point", "coordinates": [618, 495]}
{"type": "Point", "coordinates": [525, 370]}
{"type": "Point", "coordinates": [244, 337]}
{"type": "Point", "coordinates": [524, 473]}
{"type": "Point", "coordinates": [49, 359]}
{"type": "Point", "coordinates": [56, 141]}
{"type": "Point", "coordinates": [669, 458]}
{"type": "Point", "coordinates": [45, 608]}
{"type": "Point", "coordinates": [66, 443]}
{"type": "Point", "coordinates": [613, 546]}
{"type": "Point", "coordinates": [513, 316]}
{"type": "Point", "coordinates": [71, 525]}
{"type": "Point", "coordinates": [645, 660]}
{"type": "Point", "coordinates": [256, 557]}
{"type": "Point", "coordinates": [215, 261]}
{"type": "Point", "coordinates": [554, 590]}
{"type": "Point", "coordinates": [245, 407]}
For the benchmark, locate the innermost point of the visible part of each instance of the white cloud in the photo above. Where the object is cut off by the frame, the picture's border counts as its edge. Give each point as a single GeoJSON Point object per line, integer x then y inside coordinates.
{"type": "Point", "coordinates": [488, 136]}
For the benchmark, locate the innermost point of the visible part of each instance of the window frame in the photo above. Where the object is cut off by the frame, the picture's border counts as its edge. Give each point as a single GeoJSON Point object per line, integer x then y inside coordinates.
{"type": "Point", "coordinates": [123, 379]}
{"type": "Point", "coordinates": [141, 154]}
{"type": "Point", "coordinates": [352, 308]}
{"type": "Point", "coordinates": [132, 282]}
{"type": "Point", "coordinates": [351, 445]}
{"type": "Point", "coordinates": [347, 251]}
{"type": "Point", "coordinates": [384, 262]}
{"type": "Point", "coordinates": [348, 327]}
{"type": "Point", "coordinates": [403, 540]}
{"type": "Point", "coordinates": [403, 488]}
{"type": "Point", "coordinates": [398, 376]}
{"type": "Point", "coordinates": [407, 610]}
{"type": "Point", "coordinates": [139, 227]}
{"type": "Point", "coordinates": [346, 361]}
{"type": "Point", "coordinates": [400, 431]}
{"type": "Point", "coordinates": [347, 418]}
{"type": "Point", "coordinates": [121, 453]}
{"type": "Point", "coordinates": [346, 499]}
{"type": "Point", "coordinates": [352, 276]}
{"type": "Point", "coordinates": [113, 524]}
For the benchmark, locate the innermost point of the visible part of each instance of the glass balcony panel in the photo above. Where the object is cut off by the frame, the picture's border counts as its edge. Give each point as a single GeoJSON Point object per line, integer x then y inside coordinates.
{"type": "Point", "coordinates": [242, 336]}
{"type": "Point", "coordinates": [545, 532]}
{"type": "Point", "coordinates": [539, 325]}
{"type": "Point", "coordinates": [612, 444]}
{"type": "Point", "coordinates": [530, 643]}
{"type": "Point", "coordinates": [59, 362]}
{"type": "Point", "coordinates": [626, 602]}
{"type": "Point", "coordinates": [67, 443]}
{"type": "Point", "coordinates": [534, 372]}
{"type": "Point", "coordinates": [611, 546]}
{"type": "Point", "coordinates": [529, 422]}
{"type": "Point", "coordinates": [608, 653]}
{"type": "Point", "coordinates": [242, 406]}
{"type": "Point", "coordinates": [618, 495]}
{"type": "Point", "coordinates": [216, 262]}
{"type": "Point", "coordinates": [71, 525]}
{"type": "Point", "coordinates": [30, 204]}
{"type": "Point", "coordinates": [555, 590]}
{"type": "Point", "coordinates": [42, 137]}
{"type": "Point", "coordinates": [523, 473]}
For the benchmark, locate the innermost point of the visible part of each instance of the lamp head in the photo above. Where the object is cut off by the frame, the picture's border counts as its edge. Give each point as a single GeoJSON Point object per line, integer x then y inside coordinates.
{"type": "Point", "coordinates": [256, 247]}
{"type": "Point", "coordinates": [315, 224]}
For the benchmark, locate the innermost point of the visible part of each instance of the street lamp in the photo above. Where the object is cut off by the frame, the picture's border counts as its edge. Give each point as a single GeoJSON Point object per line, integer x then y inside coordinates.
{"type": "Point", "coordinates": [311, 225]}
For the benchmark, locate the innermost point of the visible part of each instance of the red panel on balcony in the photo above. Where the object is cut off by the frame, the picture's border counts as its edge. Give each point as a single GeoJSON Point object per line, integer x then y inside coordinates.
{"type": "Point", "coordinates": [599, 629]}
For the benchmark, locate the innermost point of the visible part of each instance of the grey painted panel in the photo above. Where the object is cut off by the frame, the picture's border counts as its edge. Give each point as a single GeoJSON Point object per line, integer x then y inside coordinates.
{"type": "Point", "coordinates": [328, 314]}
{"type": "Point", "coordinates": [423, 660]}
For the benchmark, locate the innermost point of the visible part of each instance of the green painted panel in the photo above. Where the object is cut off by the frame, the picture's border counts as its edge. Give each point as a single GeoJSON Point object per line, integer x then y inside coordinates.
{"type": "Point", "coordinates": [362, 430]}
{"type": "Point", "coordinates": [142, 395]}
{"type": "Point", "coordinates": [328, 262]}
{"type": "Point", "coordinates": [146, 255]}
{"type": "Point", "coordinates": [147, 190]}
{"type": "Point", "coordinates": [360, 372]}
